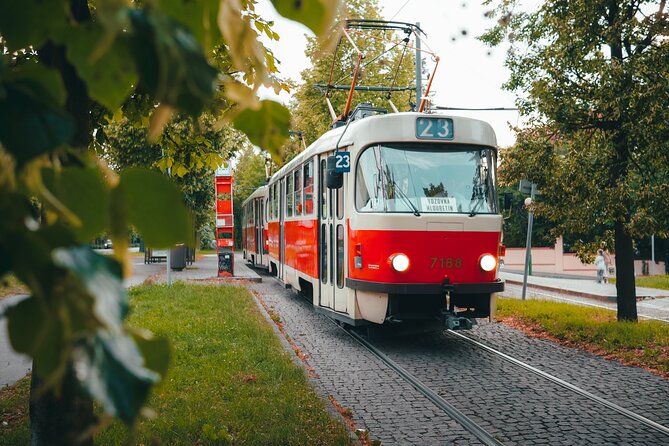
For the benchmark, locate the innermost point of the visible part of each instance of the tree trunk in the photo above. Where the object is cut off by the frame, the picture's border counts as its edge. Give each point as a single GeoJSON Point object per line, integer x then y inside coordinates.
{"type": "Point", "coordinates": [60, 419]}
{"type": "Point", "coordinates": [625, 285]}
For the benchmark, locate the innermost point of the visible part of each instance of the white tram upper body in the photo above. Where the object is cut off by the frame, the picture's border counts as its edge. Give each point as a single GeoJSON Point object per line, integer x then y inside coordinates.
{"type": "Point", "coordinates": [412, 234]}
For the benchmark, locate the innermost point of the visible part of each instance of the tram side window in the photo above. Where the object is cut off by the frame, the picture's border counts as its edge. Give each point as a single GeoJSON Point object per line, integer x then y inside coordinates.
{"type": "Point", "coordinates": [276, 200]}
{"type": "Point", "coordinates": [324, 253]}
{"type": "Point", "coordinates": [308, 176]}
{"type": "Point", "coordinates": [324, 191]}
{"type": "Point", "coordinates": [298, 192]}
{"type": "Point", "coordinates": [340, 256]}
{"type": "Point", "coordinates": [289, 196]}
{"type": "Point", "coordinates": [340, 203]}
{"type": "Point", "coordinates": [269, 207]}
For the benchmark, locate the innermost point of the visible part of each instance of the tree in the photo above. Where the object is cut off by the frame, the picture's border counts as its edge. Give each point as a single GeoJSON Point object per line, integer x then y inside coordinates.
{"type": "Point", "coordinates": [190, 148]}
{"type": "Point", "coordinates": [249, 174]}
{"type": "Point", "coordinates": [594, 82]}
{"type": "Point", "coordinates": [394, 67]}
{"type": "Point", "coordinates": [66, 68]}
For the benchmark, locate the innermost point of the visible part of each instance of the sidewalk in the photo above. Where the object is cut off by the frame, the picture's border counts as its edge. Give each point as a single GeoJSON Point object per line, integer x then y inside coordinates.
{"type": "Point", "coordinates": [651, 303]}
{"type": "Point", "coordinates": [205, 267]}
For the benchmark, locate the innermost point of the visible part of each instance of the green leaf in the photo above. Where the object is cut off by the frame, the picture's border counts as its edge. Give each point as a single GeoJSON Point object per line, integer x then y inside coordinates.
{"type": "Point", "coordinates": [30, 129]}
{"type": "Point", "coordinates": [154, 205]}
{"type": "Point", "coordinates": [41, 83]}
{"type": "Point", "coordinates": [199, 16]}
{"type": "Point", "coordinates": [30, 22]}
{"type": "Point", "coordinates": [111, 370]}
{"type": "Point", "coordinates": [266, 127]}
{"type": "Point", "coordinates": [102, 278]}
{"type": "Point", "coordinates": [82, 191]}
{"type": "Point", "coordinates": [315, 14]}
{"type": "Point", "coordinates": [171, 63]}
{"type": "Point", "coordinates": [111, 77]}
{"type": "Point", "coordinates": [156, 352]}
{"type": "Point", "coordinates": [37, 332]}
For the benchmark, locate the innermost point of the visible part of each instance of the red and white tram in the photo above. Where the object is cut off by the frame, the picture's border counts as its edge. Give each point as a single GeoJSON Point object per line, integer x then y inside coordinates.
{"type": "Point", "coordinates": [254, 228]}
{"type": "Point", "coordinates": [411, 233]}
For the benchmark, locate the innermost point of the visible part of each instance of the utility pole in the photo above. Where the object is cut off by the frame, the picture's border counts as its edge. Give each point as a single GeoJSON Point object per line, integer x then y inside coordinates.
{"type": "Point", "coordinates": [419, 69]}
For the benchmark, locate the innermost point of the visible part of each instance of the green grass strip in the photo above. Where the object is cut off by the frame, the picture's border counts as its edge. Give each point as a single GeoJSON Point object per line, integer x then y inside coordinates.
{"type": "Point", "coordinates": [230, 380]}
{"type": "Point", "coordinates": [658, 282]}
{"type": "Point", "coordinates": [644, 344]}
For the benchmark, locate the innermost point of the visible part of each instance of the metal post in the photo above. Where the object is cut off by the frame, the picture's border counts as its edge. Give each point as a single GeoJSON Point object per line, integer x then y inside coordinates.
{"type": "Point", "coordinates": [419, 69]}
{"type": "Point", "coordinates": [528, 244]}
{"type": "Point", "coordinates": [652, 254]}
{"type": "Point", "coordinates": [168, 257]}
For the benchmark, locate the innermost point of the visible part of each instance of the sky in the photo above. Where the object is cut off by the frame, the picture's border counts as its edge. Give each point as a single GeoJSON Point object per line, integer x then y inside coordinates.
{"type": "Point", "coordinates": [469, 75]}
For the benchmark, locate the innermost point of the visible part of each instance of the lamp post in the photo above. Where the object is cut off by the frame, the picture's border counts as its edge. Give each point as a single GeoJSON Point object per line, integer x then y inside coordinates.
{"type": "Point", "coordinates": [528, 244]}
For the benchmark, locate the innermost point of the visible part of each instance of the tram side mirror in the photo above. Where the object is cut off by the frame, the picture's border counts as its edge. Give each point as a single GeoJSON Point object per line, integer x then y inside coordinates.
{"type": "Point", "coordinates": [333, 179]}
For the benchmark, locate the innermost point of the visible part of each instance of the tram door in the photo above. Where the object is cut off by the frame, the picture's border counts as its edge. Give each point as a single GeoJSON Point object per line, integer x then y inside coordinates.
{"type": "Point", "coordinates": [259, 209]}
{"type": "Point", "coordinates": [331, 243]}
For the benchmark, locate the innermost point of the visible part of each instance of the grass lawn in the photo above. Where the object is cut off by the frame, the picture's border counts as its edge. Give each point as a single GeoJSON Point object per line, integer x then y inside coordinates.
{"type": "Point", "coordinates": [230, 380]}
{"type": "Point", "coordinates": [644, 344]}
{"type": "Point", "coordinates": [660, 282]}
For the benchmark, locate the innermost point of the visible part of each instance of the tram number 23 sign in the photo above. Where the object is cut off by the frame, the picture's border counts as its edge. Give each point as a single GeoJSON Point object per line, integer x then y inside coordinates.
{"type": "Point", "coordinates": [434, 128]}
{"type": "Point", "coordinates": [342, 162]}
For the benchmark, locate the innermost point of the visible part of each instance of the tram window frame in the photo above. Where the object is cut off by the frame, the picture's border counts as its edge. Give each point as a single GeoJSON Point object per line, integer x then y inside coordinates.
{"type": "Point", "coordinates": [299, 207]}
{"type": "Point", "coordinates": [289, 195]}
{"type": "Point", "coordinates": [308, 189]}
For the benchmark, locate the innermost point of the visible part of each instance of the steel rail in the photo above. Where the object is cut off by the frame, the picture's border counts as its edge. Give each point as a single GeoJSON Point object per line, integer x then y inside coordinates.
{"type": "Point", "coordinates": [466, 422]}
{"type": "Point", "coordinates": [621, 410]}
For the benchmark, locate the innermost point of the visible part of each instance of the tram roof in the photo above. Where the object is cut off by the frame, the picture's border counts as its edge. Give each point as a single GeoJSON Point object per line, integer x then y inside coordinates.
{"type": "Point", "coordinates": [259, 192]}
{"type": "Point", "coordinates": [392, 127]}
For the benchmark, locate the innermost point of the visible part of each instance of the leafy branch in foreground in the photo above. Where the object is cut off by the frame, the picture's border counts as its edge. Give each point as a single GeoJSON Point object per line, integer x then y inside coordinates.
{"type": "Point", "coordinates": [66, 68]}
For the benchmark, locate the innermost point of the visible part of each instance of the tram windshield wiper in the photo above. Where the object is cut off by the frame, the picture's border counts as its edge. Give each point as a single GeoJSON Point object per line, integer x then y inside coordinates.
{"type": "Point", "coordinates": [404, 197]}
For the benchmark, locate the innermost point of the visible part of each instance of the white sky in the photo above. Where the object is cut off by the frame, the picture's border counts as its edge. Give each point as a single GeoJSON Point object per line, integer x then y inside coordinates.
{"type": "Point", "coordinates": [470, 74]}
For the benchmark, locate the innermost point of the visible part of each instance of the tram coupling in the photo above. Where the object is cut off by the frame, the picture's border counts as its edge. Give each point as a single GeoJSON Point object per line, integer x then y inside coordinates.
{"type": "Point", "coordinates": [455, 322]}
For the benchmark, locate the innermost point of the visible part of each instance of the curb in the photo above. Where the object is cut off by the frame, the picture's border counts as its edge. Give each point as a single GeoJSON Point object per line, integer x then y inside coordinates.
{"type": "Point", "coordinates": [598, 297]}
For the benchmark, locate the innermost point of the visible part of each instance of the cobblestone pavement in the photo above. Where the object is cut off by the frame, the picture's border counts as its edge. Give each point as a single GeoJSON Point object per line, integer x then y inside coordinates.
{"type": "Point", "coordinates": [526, 408]}
{"type": "Point", "coordinates": [381, 402]}
{"type": "Point", "coordinates": [516, 406]}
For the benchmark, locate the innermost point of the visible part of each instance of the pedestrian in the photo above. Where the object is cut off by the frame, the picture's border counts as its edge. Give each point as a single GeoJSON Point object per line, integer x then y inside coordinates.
{"type": "Point", "coordinates": [601, 265]}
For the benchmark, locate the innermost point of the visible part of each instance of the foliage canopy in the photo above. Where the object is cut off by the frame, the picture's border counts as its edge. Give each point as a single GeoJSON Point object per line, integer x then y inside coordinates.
{"type": "Point", "coordinates": [592, 78]}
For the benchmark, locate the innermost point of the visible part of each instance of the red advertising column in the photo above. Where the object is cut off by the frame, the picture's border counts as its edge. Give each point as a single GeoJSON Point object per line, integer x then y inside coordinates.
{"type": "Point", "coordinates": [225, 239]}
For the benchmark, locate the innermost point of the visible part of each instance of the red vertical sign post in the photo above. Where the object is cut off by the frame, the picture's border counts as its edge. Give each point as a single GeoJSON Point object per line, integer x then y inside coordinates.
{"type": "Point", "coordinates": [225, 239]}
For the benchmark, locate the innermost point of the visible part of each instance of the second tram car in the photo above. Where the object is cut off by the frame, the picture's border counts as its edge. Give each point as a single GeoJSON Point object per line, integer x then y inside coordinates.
{"type": "Point", "coordinates": [254, 228]}
{"type": "Point", "coordinates": [411, 233]}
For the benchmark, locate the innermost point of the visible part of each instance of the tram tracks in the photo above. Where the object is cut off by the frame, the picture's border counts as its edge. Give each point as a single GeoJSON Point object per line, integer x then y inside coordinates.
{"type": "Point", "coordinates": [579, 391]}
{"type": "Point", "coordinates": [471, 425]}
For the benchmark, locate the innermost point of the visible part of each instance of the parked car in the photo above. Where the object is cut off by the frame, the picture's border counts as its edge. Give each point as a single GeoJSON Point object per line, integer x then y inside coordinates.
{"type": "Point", "coordinates": [108, 244]}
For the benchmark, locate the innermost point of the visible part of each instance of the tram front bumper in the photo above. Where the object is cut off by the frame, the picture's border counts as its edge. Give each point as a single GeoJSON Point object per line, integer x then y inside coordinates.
{"type": "Point", "coordinates": [426, 288]}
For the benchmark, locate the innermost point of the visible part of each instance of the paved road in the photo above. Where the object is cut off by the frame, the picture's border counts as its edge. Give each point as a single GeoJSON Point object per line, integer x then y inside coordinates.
{"type": "Point", "coordinates": [13, 366]}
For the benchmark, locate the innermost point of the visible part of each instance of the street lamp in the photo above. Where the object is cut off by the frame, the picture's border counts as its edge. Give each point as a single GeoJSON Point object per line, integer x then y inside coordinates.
{"type": "Point", "coordinates": [528, 244]}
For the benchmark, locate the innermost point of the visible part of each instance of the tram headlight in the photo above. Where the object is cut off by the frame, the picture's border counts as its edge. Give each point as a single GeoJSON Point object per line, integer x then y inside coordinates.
{"type": "Point", "coordinates": [488, 262]}
{"type": "Point", "coordinates": [399, 262]}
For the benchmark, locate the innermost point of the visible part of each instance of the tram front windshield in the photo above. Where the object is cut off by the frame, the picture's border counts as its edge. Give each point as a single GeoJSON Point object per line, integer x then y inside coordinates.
{"type": "Point", "coordinates": [426, 178]}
